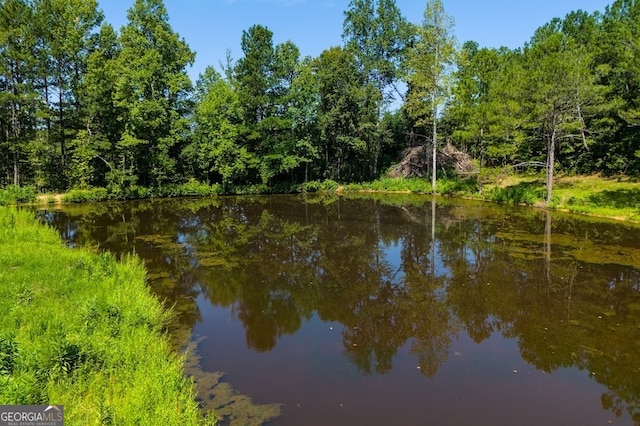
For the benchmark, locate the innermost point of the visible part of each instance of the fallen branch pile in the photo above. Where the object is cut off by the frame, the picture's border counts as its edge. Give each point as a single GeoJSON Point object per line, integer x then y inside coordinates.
{"type": "Point", "coordinates": [416, 162]}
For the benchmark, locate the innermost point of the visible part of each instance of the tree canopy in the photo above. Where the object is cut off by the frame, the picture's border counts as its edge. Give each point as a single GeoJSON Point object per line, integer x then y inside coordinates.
{"type": "Point", "coordinates": [85, 105]}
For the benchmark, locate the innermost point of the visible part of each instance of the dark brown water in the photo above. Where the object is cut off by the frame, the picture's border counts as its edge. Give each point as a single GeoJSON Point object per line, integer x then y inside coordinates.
{"type": "Point", "coordinates": [393, 310]}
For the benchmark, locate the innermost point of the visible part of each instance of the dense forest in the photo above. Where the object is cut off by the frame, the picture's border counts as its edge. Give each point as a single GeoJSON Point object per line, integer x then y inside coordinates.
{"type": "Point", "coordinates": [84, 105]}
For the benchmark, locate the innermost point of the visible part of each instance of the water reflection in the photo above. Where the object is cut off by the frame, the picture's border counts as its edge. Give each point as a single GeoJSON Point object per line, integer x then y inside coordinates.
{"type": "Point", "coordinates": [394, 273]}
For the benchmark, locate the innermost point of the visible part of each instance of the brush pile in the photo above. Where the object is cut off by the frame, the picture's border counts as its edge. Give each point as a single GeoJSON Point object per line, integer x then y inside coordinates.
{"type": "Point", "coordinates": [416, 162]}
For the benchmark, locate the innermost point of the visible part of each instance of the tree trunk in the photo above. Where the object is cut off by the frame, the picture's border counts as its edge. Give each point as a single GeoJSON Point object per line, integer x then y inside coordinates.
{"type": "Point", "coordinates": [46, 101]}
{"type": "Point", "coordinates": [551, 159]}
{"type": "Point", "coordinates": [481, 157]}
{"type": "Point", "coordinates": [435, 130]}
{"type": "Point", "coordinates": [433, 155]}
{"type": "Point", "coordinates": [61, 126]}
{"type": "Point", "coordinates": [15, 132]}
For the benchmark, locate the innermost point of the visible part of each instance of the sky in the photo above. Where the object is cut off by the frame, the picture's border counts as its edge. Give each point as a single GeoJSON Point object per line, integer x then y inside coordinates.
{"type": "Point", "coordinates": [211, 27]}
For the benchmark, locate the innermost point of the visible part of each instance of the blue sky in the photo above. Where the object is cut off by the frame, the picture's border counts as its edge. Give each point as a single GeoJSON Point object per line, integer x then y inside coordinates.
{"type": "Point", "coordinates": [210, 27]}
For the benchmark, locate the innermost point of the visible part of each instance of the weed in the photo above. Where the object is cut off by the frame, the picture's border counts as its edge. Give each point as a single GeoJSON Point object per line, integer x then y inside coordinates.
{"type": "Point", "coordinates": [524, 193]}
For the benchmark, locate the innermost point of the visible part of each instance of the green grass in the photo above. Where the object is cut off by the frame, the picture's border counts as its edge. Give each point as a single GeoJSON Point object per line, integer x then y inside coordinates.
{"type": "Point", "coordinates": [607, 197]}
{"type": "Point", "coordinates": [528, 193]}
{"type": "Point", "coordinates": [83, 330]}
{"type": "Point", "coordinates": [419, 186]}
{"type": "Point", "coordinates": [617, 198]}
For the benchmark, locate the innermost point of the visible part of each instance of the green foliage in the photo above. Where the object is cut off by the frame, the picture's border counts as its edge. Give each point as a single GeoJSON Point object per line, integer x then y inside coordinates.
{"type": "Point", "coordinates": [377, 33]}
{"type": "Point", "coordinates": [83, 106]}
{"type": "Point", "coordinates": [83, 330]}
{"type": "Point", "coordinates": [85, 195]}
{"type": "Point", "coordinates": [151, 90]}
{"type": "Point", "coordinates": [342, 114]}
{"type": "Point", "coordinates": [523, 193]}
{"type": "Point", "coordinates": [415, 185]}
{"type": "Point", "coordinates": [429, 62]}
{"type": "Point", "coordinates": [269, 148]}
{"type": "Point", "coordinates": [327, 185]}
{"type": "Point", "coordinates": [192, 188]}
{"type": "Point", "coordinates": [215, 150]}
{"type": "Point", "coordinates": [457, 187]}
{"type": "Point", "coordinates": [470, 108]}
{"type": "Point", "coordinates": [562, 91]}
{"type": "Point", "coordinates": [13, 194]}
{"type": "Point", "coordinates": [378, 36]}
{"type": "Point", "coordinates": [84, 164]}
{"type": "Point", "coordinates": [8, 354]}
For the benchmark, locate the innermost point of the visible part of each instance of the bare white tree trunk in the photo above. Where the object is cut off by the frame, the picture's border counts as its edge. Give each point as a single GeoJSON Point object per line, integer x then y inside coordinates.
{"type": "Point", "coordinates": [435, 130]}
{"type": "Point", "coordinates": [551, 159]}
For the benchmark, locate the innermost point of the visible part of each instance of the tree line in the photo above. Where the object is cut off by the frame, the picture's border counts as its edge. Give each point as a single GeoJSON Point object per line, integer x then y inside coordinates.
{"type": "Point", "coordinates": [85, 105]}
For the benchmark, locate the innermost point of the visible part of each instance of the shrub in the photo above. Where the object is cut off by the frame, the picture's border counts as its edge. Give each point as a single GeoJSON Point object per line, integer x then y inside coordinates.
{"type": "Point", "coordinates": [329, 185]}
{"type": "Point", "coordinates": [194, 188]}
{"type": "Point", "coordinates": [85, 195]}
{"type": "Point", "coordinates": [13, 194]}
{"type": "Point", "coordinates": [311, 186]}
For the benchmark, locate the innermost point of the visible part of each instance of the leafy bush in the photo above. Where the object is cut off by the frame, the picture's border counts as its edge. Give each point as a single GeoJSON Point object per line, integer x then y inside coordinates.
{"type": "Point", "coordinates": [13, 194]}
{"type": "Point", "coordinates": [195, 188]}
{"type": "Point", "coordinates": [192, 188]}
{"type": "Point", "coordinates": [329, 185]}
{"type": "Point", "coordinates": [85, 195]}
{"type": "Point", "coordinates": [311, 186]}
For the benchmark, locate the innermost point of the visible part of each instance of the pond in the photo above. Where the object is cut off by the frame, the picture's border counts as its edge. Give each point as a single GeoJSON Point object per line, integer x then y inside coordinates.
{"type": "Point", "coordinates": [388, 309]}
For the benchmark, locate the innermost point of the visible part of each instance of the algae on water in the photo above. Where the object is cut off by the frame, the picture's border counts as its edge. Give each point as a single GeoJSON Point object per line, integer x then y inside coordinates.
{"type": "Point", "coordinates": [230, 407]}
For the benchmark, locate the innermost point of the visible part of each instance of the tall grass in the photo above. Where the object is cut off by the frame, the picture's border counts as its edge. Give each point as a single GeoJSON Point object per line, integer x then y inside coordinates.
{"type": "Point", "coordinates": [83, 330]}
{"type": "Point", "coordinates": [523, 193]}
{"type": "Point", "coordinates": [415, 185]}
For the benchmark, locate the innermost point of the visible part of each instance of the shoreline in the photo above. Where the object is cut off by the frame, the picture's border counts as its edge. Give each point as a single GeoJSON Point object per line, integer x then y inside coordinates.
{"type": "Point", "coordinates": [83, 330]}
{"type": "Point", "coordinates": [574, 194]}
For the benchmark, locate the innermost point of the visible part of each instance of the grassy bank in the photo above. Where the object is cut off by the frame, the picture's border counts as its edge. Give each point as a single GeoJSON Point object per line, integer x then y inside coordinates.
{"type": "Point", "coordinates": [615, 198]}
{"type": "Point", "coordinates": [83, 330]}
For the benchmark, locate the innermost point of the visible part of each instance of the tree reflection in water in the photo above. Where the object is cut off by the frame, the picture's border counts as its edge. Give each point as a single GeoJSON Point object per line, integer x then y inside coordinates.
{"type": "Point", "coordinates": [393, 271]}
